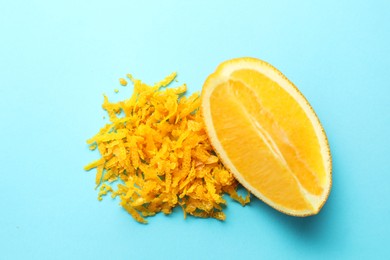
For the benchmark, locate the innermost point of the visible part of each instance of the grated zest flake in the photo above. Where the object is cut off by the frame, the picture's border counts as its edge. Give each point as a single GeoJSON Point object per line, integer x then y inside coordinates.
{"type": "Point", "coordinates": [156, 147]}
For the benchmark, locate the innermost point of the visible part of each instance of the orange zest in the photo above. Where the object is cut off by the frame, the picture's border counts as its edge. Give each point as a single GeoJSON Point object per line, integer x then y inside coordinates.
{"type": "Point", "coordinates": [156, 147]}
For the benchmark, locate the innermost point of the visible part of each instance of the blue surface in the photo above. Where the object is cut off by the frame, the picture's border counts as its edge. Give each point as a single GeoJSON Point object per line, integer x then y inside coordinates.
{"type": "Point", "coordinates": [57, 58]}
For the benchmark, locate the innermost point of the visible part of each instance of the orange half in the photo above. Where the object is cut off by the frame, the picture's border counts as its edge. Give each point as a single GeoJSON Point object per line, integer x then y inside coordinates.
{"type": "Point", "coordinates": [267, 134]}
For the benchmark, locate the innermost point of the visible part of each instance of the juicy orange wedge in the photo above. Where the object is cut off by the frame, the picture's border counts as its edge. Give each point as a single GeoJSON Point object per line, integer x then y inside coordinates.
{"type": "Point", "coordinates": [267, 134]}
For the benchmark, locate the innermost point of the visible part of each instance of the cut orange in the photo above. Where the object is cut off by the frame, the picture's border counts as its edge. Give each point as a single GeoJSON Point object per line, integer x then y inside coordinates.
{"type": "Point", "coordinates": [268, 135]}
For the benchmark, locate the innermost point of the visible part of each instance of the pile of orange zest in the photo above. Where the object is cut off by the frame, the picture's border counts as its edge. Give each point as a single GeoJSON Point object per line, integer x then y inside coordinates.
{"type": "Point", "coordinates": [156, 147]}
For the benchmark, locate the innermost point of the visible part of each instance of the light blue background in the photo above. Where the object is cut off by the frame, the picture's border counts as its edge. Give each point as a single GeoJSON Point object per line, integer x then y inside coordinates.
{"type": "Point", "coordinates": [57, 58]}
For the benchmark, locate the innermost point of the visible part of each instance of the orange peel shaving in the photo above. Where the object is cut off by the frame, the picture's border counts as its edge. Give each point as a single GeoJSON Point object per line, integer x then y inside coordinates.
{"type": "Point", "coordinates": [156, 147]}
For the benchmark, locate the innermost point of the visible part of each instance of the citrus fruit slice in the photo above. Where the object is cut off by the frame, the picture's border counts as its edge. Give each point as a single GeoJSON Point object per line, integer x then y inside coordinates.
{"type": "Point", "coordinates": [267, 134]}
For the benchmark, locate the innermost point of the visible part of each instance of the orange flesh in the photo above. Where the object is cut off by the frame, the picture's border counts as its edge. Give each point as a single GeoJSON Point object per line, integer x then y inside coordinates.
{"type": "Point", "coordinates": [279, 151]}
{"type": "Point", "coordinates": [290, 117]}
